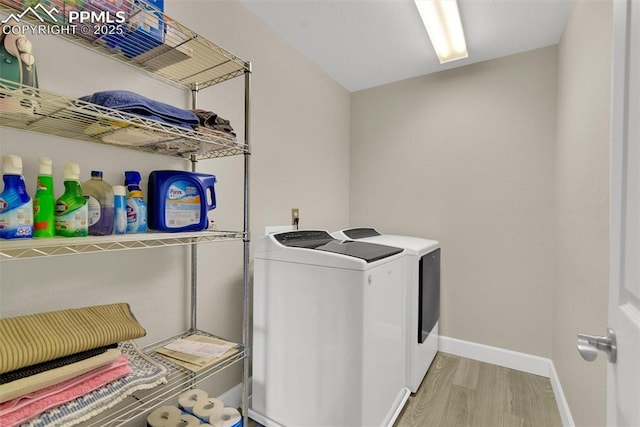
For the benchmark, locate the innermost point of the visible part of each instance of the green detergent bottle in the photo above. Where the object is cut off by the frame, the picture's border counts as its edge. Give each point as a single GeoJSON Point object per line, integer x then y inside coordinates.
{"type": "Point", "coordinates": [44, 203]}
{"type": "Point", "coordinates": [71, 208]}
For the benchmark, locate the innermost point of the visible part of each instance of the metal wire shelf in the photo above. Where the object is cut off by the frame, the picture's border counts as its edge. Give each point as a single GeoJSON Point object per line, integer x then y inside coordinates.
{"type": "Point", "coordinates": [38, 110]}
{"type": "Point", "coordinates": [178, 380]}
{"type": "Point", "coordinates": [56, 246]}
{"type": "Point", "coordinates": [182, 58]}
{"type": "Point", "coordinates": [171, 51]}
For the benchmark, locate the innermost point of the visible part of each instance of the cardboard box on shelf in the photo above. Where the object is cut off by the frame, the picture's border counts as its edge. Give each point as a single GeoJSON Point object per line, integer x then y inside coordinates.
{"type": "Point", "coordinates": [174, 49]}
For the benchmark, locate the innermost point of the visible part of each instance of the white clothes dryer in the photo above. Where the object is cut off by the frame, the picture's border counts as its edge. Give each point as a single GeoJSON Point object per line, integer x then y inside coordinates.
{"type": "Point", "coordinates": [423, 296]}
{"type": "Point", "coordinates": [328, 340]}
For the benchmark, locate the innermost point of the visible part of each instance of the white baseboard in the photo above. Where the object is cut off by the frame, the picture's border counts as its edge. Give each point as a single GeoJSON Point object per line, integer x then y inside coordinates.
{"type": "Point", "coordinates": [498, 356]}
{"type": "Point", "coordinates": [514, 360]}
{"type": "Point", "coordinates": [563, 405]}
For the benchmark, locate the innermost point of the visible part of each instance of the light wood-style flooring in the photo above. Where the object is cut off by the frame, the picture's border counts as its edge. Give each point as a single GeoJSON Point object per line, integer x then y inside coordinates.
{"type": "Point", "coordinates": [459, 392]}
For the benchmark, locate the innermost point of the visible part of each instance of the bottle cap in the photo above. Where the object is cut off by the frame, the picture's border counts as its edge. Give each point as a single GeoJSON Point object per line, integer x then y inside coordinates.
{"type": "Point", "coordinates": [132, 178]}
{"type": "Point", "coordinates": [46, 166]}
{"type": "Point", "coordinates": [119, 190]}
{"type": "Point", "coordinates": [12, 165]}
{"type": "Point", "coordinates": [71, 172]}
{"type": "Point", "coordinates": [97, 174]}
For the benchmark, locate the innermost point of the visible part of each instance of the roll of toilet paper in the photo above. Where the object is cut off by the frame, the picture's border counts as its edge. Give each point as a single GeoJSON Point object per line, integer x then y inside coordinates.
{"type": "Point", "coordinates": [191, 398]}
{"type": "Point", "coordinates": [186, 420]}
{"type": "Point", "coordinates": [208, 409]}
{"type": "Point", "coordinates": [164, 416]}
{"type": "Point", "coordinates": [229, 417]}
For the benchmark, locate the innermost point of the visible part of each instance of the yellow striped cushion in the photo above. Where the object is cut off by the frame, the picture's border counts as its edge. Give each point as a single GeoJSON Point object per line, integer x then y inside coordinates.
{"type": "Point", "coordinates": [36, 338]}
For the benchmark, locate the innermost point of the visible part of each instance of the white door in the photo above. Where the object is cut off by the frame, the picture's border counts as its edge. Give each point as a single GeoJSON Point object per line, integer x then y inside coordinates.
{"type": "Point", "coordinates": [623, 376]}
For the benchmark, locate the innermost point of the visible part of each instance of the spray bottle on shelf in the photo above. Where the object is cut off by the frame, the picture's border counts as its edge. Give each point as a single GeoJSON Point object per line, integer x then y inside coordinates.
{"type": "Point", "coordinates": [71, 207]}
{"type": "Point", "coordinates": [44, 203]}
{"type": "Point", "coordinates": [16, 207]}
{"type": "Point", "coordinates": [136, 206]}
{"type": "Point", "coordinates": [100, 204]}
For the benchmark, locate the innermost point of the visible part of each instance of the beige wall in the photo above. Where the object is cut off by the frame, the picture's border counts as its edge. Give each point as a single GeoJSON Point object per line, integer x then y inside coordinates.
{"type": "Point", "coordinates": [298, 114]}
{"type": "Point", "coordinates": [466, 157]}
{"type": "Point", "coordinates": [582, 204]}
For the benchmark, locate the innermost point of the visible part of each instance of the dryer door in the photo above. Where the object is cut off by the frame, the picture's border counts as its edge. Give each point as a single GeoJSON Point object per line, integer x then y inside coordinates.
{"type": "Point", "coordinates": [428, 294]}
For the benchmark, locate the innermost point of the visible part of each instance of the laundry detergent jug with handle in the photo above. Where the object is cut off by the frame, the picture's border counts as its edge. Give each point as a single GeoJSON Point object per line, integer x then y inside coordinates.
{"type": "Point", "coordinates": [179, 200]}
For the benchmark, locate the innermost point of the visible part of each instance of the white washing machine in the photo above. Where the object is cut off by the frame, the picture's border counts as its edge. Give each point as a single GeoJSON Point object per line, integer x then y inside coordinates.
{"type": "Point", "coordinates": [328, 340]}
{"type": "Point", "coordinates": [423, 296]}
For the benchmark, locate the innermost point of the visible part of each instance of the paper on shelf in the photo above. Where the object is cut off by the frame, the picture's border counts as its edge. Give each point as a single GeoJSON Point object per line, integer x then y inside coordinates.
{"type": "Point", "coordinates": [202, 349]}
{"type": "Point", "coordinates": [196, 362]}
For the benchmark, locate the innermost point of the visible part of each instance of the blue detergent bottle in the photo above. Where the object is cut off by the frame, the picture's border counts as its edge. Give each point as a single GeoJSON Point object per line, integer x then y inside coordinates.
{"type": "Point", "coordinates": [180, 201]}
{"type": "Point", "coordinates": [136, 206]}
{"type": "Point", "coordinates": [16, 207]}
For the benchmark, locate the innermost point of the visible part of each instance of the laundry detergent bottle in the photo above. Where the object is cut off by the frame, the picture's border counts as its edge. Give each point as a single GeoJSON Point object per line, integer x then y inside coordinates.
{"type": "Point", "coordinates": [71, 207]}
{"type": "Point", "coordinates": [99, 204]}
{"type": "Point", "coordinates": [16, 207]}
{"type": "Point", "coordinates": [180, 201]}
{"type": "Point", "coordinates": [44, 202]}
{"type": "Point", "coordinates": [119, 209]}
{"type": "Point", "coordinates": [136, 205]}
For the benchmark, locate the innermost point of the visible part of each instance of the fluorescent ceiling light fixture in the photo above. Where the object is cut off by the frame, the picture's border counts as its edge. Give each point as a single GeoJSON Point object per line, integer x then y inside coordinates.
{"type": "Point", "coordinates": [442, 20]}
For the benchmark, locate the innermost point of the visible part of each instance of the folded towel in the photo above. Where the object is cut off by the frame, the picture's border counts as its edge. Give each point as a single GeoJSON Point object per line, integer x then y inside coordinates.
{"type": "Point", "coordinates": [28, 406]}
{"type": "Point", "coordinates": [28, 371]}
{"type": "Point", "coordinates": [45, 379]}
{"type": "Point", "coordinates": [211, 120]}
{"type": "Point", "coordinates": [147, 374]}
{"type": "Point", "coordinates": [133, 103]}
{"type": "Point", "coordinates": [37, 338]}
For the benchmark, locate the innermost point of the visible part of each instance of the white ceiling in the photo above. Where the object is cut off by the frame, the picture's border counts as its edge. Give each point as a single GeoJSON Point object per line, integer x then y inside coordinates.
{"type": "Point", "coordinates": [367, 43]}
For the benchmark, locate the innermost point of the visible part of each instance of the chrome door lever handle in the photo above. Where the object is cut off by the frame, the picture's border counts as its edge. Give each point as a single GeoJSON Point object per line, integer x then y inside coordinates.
{"type": "Point", "coordinates": [589, 345]}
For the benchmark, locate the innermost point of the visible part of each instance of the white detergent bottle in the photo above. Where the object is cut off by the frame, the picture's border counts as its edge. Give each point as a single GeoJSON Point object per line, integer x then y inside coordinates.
{"type": "Point", "coordinates": [16, 207]}
{"type": "Point", "coordinates": [136, 205]}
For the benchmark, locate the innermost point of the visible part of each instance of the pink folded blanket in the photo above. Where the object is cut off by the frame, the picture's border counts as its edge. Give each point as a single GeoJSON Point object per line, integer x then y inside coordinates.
{"type": "Point", "coordinates": [20, 409]}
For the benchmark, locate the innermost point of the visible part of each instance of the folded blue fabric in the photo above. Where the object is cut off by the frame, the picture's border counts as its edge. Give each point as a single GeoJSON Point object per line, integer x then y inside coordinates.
{"type": "Point", "coordinates": [131, 102]}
